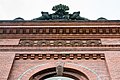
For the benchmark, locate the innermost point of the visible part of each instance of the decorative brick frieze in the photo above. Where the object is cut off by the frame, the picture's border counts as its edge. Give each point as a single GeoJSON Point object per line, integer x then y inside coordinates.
{"type": "Point", "coordinates": [28, 48]}
{"type": "Point", "coordinates": [24, 56]}
{"type": "Point", "coordinates": [80, 42]}
{"type": "Point", "coordinates": [85, 56]}
{"type": "Point", "coordinates": [61, 30]}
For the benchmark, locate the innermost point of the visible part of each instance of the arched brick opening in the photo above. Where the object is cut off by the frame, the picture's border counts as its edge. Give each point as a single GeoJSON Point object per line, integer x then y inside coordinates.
{"type": "Point", "coordinates": [89, 75]}
{"type": "Point", "coordinates": [51, 72]}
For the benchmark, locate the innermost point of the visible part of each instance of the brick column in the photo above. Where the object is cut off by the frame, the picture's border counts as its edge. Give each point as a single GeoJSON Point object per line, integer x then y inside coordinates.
{"type": "Point", "coordinates": [6, 61]}
{"type": "Point", "coordinates": [113, 63]}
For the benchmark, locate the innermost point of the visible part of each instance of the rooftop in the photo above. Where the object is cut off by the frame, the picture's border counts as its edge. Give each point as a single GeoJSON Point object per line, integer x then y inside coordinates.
{"type": "Point", "coordinates": [61, 14]}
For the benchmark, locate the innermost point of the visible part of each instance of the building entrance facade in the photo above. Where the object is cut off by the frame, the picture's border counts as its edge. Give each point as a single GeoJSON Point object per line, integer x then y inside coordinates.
{"type": "Point", "coordinates": [60, 46]}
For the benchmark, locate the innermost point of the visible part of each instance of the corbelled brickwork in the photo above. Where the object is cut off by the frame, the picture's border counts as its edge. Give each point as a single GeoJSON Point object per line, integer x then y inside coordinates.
{"type": "Point", "coordinates": [60, 56]}
{"type": "Point", "coordinates": [36, 50]}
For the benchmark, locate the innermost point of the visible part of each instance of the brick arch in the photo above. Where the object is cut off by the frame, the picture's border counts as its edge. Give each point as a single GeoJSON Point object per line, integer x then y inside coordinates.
{"type": "Point", "coordinates": [88, 72]}
{"type": "Point", "coordinates": [85, 70]}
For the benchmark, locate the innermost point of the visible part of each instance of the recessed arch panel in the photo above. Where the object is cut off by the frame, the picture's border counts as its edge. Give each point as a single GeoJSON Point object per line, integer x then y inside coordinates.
{"type": "Point", "coordinates": [70, 70]}
{"type": "Point", "coordinates": [51, 72]}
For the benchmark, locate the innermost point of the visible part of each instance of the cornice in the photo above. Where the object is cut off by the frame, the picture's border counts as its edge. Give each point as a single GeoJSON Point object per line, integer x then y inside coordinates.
{"type": "Point", "coordinates": [60, 32]}
{"type": "Point", "coordinates": [58, 23]}
{"type": "Point", "coordinates": [99, 56]}
{"type": "Point", "coordinates": [61, 49]}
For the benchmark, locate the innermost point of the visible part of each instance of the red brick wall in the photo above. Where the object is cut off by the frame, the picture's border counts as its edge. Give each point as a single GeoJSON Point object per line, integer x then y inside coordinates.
{"type": "Point", "coordinates": [96, 67]}
{"type": "Point", "coordinates": [113, 63]}
{"type": "Point", "coordinates": [6, 61]}
{"type": "Point", "coordinates": [92, 68]}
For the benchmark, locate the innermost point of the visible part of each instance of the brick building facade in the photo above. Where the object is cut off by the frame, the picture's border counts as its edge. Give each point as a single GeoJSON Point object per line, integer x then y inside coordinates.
{"type": "Point", "coordinates": [72, 49]}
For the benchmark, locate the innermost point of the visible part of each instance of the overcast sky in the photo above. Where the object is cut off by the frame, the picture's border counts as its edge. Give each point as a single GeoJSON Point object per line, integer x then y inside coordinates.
{"type": "Point", "coordinates": [29, 9]}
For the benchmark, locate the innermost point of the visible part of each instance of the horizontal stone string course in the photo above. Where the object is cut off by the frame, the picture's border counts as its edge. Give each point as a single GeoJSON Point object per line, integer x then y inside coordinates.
{"type": "Point", "coordinates": [78, 30]}
{"type": "Point", "coordinates": [79, 42]}
{"type": "Point", "coordinates": [59, 56]}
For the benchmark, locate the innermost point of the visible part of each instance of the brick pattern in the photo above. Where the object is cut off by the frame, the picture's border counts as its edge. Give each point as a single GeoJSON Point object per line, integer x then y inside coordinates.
{"type": "Point", "coordinates": [60, 56]}
{"type": "Point", "coordinates": [20, 66]}
{"type": "Point", "coordinates": [6, 62]}
{"type": "Point", "coordinates": [113, 63]}
{"type": "Point", "coordinates": [61, 30]}
{"type": "Point", "coordinates": [39, 42]}
{"type": "Point", "coordinates": [100, 64]}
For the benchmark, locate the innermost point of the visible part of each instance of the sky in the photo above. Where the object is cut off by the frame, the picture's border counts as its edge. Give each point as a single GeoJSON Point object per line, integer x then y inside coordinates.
{"type": "Point", "coordinates": [29, 9]}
